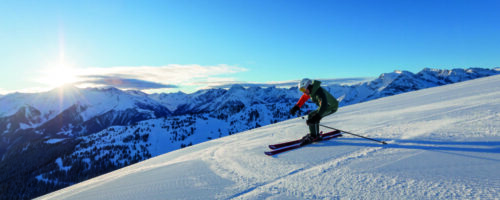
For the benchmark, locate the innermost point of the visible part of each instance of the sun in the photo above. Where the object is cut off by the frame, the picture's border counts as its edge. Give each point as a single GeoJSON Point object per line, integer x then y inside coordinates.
{"type": "Point", "coordinates": [58, 75]}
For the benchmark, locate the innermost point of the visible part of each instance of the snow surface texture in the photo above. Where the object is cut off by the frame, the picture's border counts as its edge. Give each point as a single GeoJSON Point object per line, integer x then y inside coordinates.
{"type": "Point", "coordinates": [444, 143]}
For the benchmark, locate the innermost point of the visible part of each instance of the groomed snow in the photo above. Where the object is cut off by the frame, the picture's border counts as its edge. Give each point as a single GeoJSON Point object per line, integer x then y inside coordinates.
{"type": "Point", "coordinates": [444, 143]}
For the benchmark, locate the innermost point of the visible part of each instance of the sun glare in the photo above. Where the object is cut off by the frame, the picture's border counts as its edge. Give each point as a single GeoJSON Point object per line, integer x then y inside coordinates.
{"type": "Point", "coordinates": [58, 75]}
{"type": "Point", "coordinates": [61, 71]}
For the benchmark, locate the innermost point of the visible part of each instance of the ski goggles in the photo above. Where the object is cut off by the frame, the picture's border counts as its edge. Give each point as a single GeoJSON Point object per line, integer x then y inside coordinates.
{"type": "Point", "coordinates": [302, 89]}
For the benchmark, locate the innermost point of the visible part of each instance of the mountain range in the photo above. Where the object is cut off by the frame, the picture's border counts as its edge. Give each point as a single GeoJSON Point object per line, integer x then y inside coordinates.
{"type": "Point", "coordinates": [442, 143]}
{"type": "Point", "coordinates": [54, 139]}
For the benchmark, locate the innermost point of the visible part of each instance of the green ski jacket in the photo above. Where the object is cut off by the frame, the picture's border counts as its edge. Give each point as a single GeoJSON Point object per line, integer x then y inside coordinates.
{"type": "Point", "coordinates": [327, 104]}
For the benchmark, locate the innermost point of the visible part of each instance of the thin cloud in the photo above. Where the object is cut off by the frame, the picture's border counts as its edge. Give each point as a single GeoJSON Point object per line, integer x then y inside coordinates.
{"type": "Point", "coordinates": [124, 83]}
{"type": "Point", "coordinates": [154, 77]}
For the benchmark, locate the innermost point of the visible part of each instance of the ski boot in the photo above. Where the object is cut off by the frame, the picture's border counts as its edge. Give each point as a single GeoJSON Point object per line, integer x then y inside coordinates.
{"type": "Point", "coordinates": [309, 138]}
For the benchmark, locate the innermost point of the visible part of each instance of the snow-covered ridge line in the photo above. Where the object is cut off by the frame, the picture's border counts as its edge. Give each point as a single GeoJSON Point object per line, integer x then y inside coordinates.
{"type": "Point", "coordinates": [362, 90]}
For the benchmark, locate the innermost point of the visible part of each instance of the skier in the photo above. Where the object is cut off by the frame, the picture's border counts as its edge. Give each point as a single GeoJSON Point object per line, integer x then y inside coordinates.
{"type": "Point", "coordinates": [327, 104]}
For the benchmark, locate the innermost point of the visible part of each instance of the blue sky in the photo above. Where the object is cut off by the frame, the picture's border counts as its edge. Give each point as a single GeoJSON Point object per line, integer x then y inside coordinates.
{"type": "Point", "coordinates": [172, 45]}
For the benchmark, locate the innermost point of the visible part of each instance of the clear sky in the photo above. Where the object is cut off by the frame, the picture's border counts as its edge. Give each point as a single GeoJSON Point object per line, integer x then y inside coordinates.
{"type": "Point", "coordinates": [172, 45]}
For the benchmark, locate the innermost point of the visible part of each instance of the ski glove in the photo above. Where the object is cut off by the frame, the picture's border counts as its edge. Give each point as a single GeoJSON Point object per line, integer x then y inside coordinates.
{"type": "Point", "coordinates": [314, 119]}
{"type": "Point", "coordinates": [294, 110]}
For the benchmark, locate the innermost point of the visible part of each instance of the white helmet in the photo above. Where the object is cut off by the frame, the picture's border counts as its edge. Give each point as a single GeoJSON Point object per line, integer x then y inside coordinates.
{"type": "Point", "coordinates": [304, 83]}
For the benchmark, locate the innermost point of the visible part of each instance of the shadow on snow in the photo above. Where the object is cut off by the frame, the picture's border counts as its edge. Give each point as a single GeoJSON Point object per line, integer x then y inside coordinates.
{"type": "Point", "coordinates": [451, 147]}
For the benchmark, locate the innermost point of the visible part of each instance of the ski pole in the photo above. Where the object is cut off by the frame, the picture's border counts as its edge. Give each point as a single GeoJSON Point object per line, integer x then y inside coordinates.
{"type": "Point", "coordinates": [351, 133]}
{"type": "Point", "coordinates": [354, 134]}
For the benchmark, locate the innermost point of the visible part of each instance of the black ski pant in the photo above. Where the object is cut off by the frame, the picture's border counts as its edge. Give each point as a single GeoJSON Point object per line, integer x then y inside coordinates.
{"type": "Point", "coordinates": [314, 128]}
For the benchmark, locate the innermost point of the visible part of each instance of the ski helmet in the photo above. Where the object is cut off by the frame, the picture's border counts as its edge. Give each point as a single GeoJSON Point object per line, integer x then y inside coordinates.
{"type": "Point", "coordinates": [304, 83]}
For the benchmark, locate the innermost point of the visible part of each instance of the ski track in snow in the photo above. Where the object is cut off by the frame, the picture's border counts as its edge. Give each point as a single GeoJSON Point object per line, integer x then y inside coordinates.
{"type": "Point", "coordinates": [443, 143]}
{"type": "Point", "coordinates": [312, 171]}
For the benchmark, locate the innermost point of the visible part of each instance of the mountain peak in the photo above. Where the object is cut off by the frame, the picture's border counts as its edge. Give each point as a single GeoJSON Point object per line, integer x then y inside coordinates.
{"type": "Point", "coordinates": [68, 88]}
{"type": "Point", "coordinates": [236, 87]}
{"type": "Point", "coordinates": [136, 93]}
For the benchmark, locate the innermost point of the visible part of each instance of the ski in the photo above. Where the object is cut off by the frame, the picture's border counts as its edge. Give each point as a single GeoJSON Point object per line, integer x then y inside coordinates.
{"type": "Point", "coordinates": [298, 145]}
{"type": "Point", "coordinates": [285, 144]}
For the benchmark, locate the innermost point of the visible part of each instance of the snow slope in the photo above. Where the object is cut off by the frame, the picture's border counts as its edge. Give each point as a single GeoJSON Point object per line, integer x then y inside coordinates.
{"type": "Point", "coordinates": [444, 142]}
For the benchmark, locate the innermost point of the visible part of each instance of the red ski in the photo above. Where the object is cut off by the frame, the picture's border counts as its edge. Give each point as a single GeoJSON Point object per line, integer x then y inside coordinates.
{"type": "Point", "coordinates": [297, 145]}
{"type": "Point", "coordinates": [285, 144]}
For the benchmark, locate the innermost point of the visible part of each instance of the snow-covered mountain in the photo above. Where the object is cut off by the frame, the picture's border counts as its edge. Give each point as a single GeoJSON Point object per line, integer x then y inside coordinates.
{"type": "Point", "coordinates": [399, 82]}
{"type": "Point", "coordinates": [70, 112]}
{"type": "Point", "coordinates": [88, 132]}
{"type": "Point", "coordinates": [444, 143]}
{"type": "Point", "coordinates": [92, 105]}
{"type": "Point", "coordinates": [349, 93]}
{"type": "Point", "coordinates": [37, 129]}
